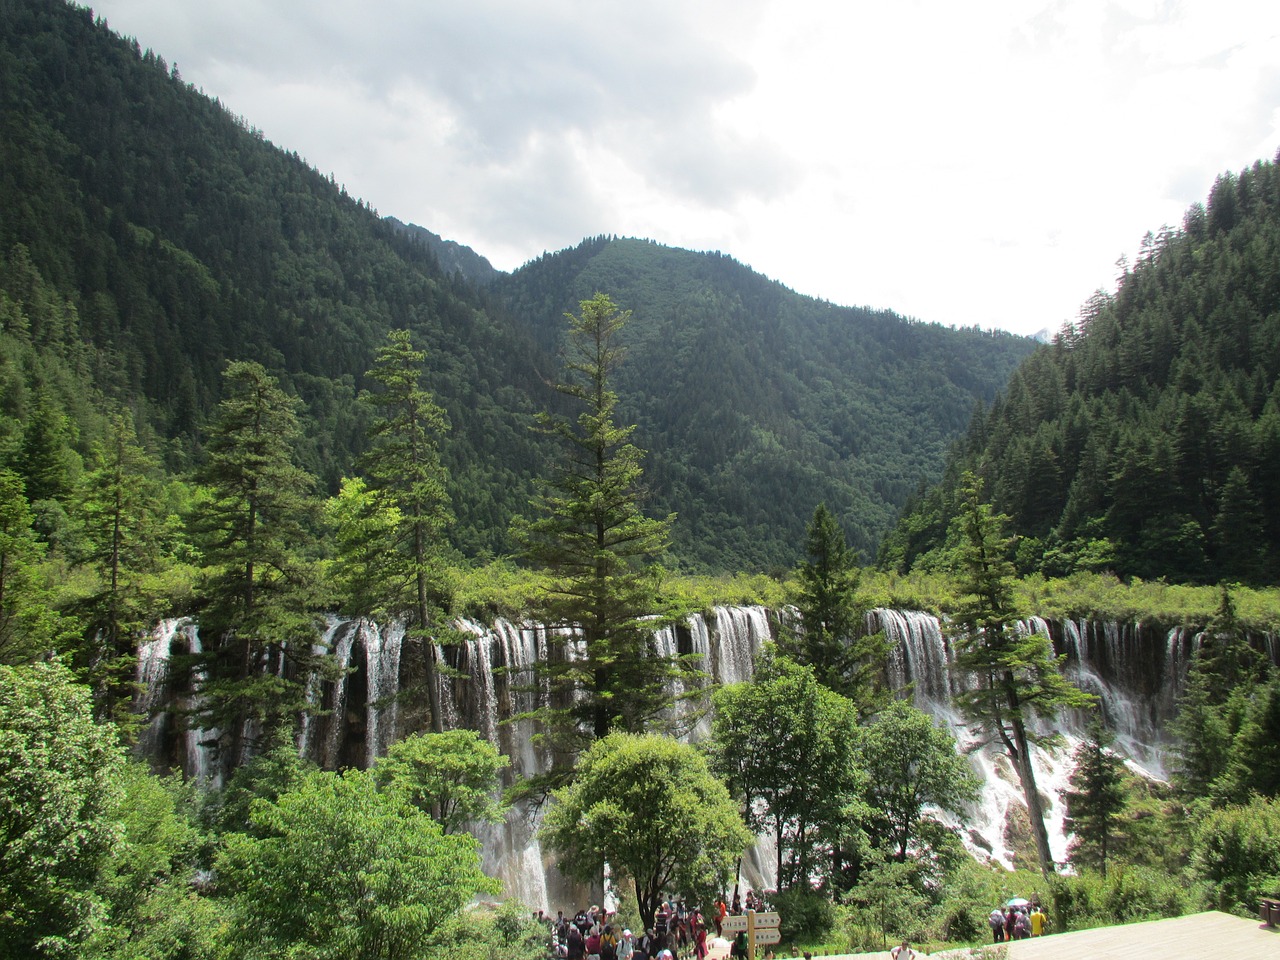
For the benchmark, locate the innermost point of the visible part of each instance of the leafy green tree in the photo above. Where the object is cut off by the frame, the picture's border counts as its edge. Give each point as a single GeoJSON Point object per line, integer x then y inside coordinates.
{"type": "Point", "coordinates": [1235, 854]}
{"type": "Point", "coordinates": [1095, 800]}
{"type": "Point", "coordinates": [59, 793]}
{"type": "Point", "coordinates": [830, 636]}
{"type": "Point", "coordinates": [153, 912]}
{"type": "Point", "coordinates": [340, 870]}
{"type": "Point", "coordinates": [784, 744]}
{"type": "Point", "coordinates": [648, 808]}
{"type": "Point", "coordinates": [122, 538]}
{"type": "Point", "coordinates": [260, 585]}
{"type": "Point", "coordinates": [275, 770]}
{"type": "Point", "coordinates": [454, 776]}
{"type": "Point", "coordinates": [30, 628]}
{"type": "Point", "coordinates": [405, 471]}
{"type": "Point", "coordinates": [601, 553]}
{"type": "Point", "coordinates": [1014, 677]}
{"type": "Point", "coordinates": [911, 766]}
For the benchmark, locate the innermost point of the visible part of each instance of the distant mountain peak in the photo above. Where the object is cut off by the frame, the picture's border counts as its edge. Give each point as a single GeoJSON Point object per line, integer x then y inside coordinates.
{"type": "Point", "coordinates": [454, 257]}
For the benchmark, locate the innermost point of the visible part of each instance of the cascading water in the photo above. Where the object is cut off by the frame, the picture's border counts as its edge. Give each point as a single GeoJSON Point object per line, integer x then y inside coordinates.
{"type": "Point", "coordinates": [483, 682]}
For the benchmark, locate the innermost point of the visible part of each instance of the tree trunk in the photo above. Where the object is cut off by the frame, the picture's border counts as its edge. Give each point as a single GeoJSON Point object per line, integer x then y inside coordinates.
{"type": "Point", "coordinates": [1026, 773]}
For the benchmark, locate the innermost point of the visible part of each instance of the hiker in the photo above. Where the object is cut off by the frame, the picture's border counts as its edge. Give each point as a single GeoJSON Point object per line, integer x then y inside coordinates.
{"type": "Point", "coordinates": [1038, 922]}
{"type": "Point", "coordinates": [996, 922]}
{"type": "Point", "coordinates": [903, 952]}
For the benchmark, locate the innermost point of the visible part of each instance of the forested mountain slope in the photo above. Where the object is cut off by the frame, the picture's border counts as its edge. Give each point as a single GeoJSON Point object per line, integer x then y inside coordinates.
{"type": "Point", "coordinates": [756, 403]}
{"type": "Point", "coordinates": [1145, 439]}
{"type": "Point", "coordinates": [148, 235]}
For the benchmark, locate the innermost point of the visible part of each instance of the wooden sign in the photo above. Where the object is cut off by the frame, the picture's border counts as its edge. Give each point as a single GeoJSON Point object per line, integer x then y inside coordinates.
{"type": "Point", "coordinates": [767, 935]}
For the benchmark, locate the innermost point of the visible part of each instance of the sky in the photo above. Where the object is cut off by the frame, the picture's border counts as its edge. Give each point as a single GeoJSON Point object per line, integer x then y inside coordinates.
{"type": "Point", "coordinates": [962, 163]}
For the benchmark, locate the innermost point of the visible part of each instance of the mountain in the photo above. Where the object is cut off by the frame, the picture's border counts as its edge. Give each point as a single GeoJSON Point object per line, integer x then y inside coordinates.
{"type": "Point", "coordinates": [149, 236]}
{"type": "Point", "coordinates": [452, 256]}
{"type": "Point", "coordinates": [756, 403]}
{"type": "Point", "coordinates": [1144, 440]}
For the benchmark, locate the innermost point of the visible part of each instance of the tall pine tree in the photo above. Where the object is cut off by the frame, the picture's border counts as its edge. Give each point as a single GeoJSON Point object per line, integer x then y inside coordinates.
{"type": "Point", "coordinates": [259, 627]}
{"type": "Point", "coordinates": [601, 553]}
{"type": "Point", "coordinates": [407, 476]}
{"type": "Point", "coordinates": [830, 636]}
{"type": "Point", "coordinates": [1015, 675]}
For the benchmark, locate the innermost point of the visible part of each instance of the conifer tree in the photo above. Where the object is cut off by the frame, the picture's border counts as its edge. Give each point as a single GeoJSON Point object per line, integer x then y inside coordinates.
{"type": "Point", "coordinates": [407, 476]}
{"type": "Point", "coordinates": [1015, 676]}
{"type": "Point", "coordinates": [1095, 800]}
{"type": "Point", "coordinates": [30, 628]}
{"type": "Point", "coordinates": [600, 552]}
{"type": "Point", "coordinates": [122, 539]}
{"type": "Point", "coordinates": [830, 636]}
{"type": "Point", "coordinates": [260, 583]}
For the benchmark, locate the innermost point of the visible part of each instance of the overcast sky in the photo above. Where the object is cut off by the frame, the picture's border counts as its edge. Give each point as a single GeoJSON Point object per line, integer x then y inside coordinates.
{"type": "Point", "coordinates": [966, 163]}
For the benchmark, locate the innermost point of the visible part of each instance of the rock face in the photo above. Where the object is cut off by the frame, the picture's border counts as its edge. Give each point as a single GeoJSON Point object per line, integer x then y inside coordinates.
{"type": "Point", "coordinates": [1135, 670]}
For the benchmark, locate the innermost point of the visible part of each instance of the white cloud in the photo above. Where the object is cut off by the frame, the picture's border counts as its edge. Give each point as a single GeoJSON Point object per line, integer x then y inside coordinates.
{"type": "Point", "coordinates": [979, 163]}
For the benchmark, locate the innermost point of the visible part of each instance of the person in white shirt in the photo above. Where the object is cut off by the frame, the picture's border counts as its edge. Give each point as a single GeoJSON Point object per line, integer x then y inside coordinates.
{"type": "Point", "coordinates": [903, 952]}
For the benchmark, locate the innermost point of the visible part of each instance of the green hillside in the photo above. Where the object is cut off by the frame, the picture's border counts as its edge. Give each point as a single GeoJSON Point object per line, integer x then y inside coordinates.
{"type": "Point", "coordinates": [149, 235]}
{"type": "Point", "coordinates": [756, 403]}
{"type": "Point", "coordinates": [1144, 440]}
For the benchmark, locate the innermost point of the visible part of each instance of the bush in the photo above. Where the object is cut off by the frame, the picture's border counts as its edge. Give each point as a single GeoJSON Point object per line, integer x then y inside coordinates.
{"type": "Point", "coordinates": [1127, 894]}
{"type": "Point", "coordinates": [807, 915]}
{"type": "Point", "coordinates": [1236, 854]}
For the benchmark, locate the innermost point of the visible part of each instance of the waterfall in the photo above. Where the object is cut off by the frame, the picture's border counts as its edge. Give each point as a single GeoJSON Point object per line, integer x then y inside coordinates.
{"type": "Point", "coordinates": [485, 679]}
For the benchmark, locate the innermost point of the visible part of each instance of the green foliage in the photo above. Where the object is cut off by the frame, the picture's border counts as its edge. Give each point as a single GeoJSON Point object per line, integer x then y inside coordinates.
{"type": "Point", "coordinates": [1138, 442]}
{"type": "Point", "coordinates": [59, 790]}
{"type": "Point", "coordinates": [454, 777]}
{"type": "Point", "coordinates": [648, 806]}
{"type": "Point", "coordinates": [829, 635]}
{"type": "Point", "coordinates": [601, 554]}
{"type": "Point", "coordinates": [1095, 800]}
{"type": "Point", "coordinates": [258, 527]}
{"type": "Point", "coordinates": [29, 626]}
{"type": "Point", "coordinates": [1015, 676]}
{"type": "Point", "coordinates": [785, 745]}
{"type": "Point", "coordinates": [808, 915]}
{"type": "Point", "coordinates": [152, 911]}
{"type": "Point", "coordinates": [910, 765]}
{"type": "Point", "coordinates": [1234, 852]}
{"type": "Point", "coordinates": [265, 777]}
{"type": "Point", "coordinates": [1126, 894]}
{"type": "Point", "coordinates": [507, 933]}
{"type": "Point", "coordinates": [338, 869]}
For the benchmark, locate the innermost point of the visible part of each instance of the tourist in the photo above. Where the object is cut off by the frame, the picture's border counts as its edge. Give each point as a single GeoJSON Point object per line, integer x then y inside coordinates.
{"type": "Point", "coordinates": [1038, 922]}
{"type": "Point", "coordinates": [902, 951]}
{"type": "Point", "coordinates": [996, 921]}
{"type": "Point", "coordinates": [626, 946]}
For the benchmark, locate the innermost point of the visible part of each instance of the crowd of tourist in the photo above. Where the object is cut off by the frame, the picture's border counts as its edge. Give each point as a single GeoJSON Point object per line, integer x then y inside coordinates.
{"type": "Point", "coordinates": [1017, 921]}
{"type": "Point", "coordinates": [678, 932]}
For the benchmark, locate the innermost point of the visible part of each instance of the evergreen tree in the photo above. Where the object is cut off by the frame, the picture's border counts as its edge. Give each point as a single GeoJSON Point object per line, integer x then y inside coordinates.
{"type": "Point", "coordinates": [30, 628]}
{"type": "Point", "coordinates": [405, 471]}
{"type": "Point", "coordinates": [1015, 676]}
{"type": "Point", "coordinates": [830, 636]}
{"type": "Point", "coordinates": [1095, 800]}
{"type": "Point", "coordinates": [259, 586]}
{"type": "Point", "coordinates": [122, 539]}
{"type": "Point", "coordinates": [600, 552]}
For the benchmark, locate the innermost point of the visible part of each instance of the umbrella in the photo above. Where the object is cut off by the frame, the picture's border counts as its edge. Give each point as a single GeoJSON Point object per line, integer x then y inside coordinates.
{"type": "Point", "coordinates": [1018, 902]}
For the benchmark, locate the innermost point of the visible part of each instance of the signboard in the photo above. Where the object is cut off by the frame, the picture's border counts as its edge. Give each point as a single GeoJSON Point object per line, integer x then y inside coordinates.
{"type": "Point", "coordinates": [734, 924]}
{"type": "Point", "coordinates": [768, 920]}
{"type": "Point", "coordinates": [765, 936]}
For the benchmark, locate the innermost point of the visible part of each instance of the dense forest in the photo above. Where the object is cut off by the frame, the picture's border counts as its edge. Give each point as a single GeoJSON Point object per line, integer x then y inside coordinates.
{"type": "Point", "coordinates": [149, 236]}
{"type": "Point", "coordinates": [1143, 441]}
